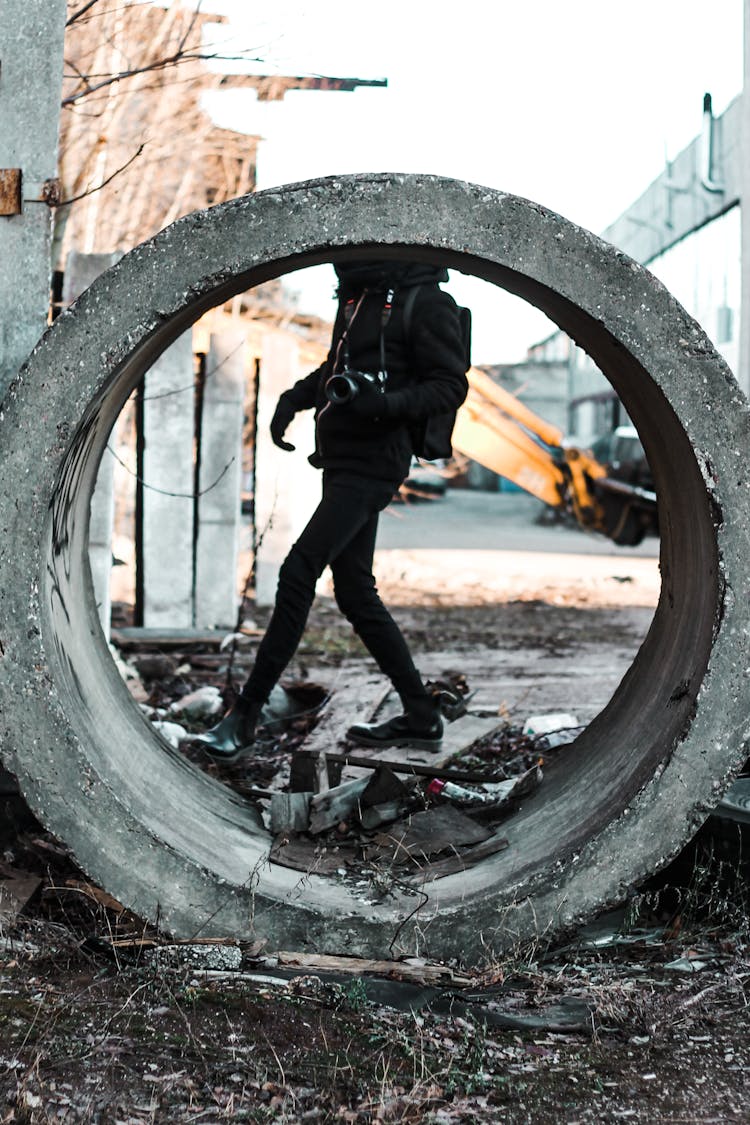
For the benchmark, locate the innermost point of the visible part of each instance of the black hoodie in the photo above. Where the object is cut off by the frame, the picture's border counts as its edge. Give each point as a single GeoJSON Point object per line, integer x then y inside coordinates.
{"type": "Point", "coordinates": [426, 373]}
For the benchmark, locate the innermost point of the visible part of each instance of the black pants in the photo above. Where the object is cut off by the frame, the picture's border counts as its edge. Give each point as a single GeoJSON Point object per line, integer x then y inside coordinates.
{"type": "Point", "coordinates": [340, 534]}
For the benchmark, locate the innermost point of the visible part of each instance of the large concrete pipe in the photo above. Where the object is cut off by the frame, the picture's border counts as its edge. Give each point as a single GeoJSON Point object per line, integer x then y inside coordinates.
{"type": "Point", "coordinates": [172, 843]}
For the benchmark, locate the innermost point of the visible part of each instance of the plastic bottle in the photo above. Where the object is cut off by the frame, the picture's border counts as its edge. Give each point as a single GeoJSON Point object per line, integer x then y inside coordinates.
{"type": "Point", "coordinates": [448, 790]}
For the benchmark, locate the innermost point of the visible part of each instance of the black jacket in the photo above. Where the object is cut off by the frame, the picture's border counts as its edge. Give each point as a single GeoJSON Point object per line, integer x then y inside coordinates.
{"type": "Point", "coordinates": [426, 373]}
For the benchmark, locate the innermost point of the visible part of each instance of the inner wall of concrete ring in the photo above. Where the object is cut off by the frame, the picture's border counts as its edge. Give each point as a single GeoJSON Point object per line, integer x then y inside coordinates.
{"type": "Point", "coordinates": [175, 845]}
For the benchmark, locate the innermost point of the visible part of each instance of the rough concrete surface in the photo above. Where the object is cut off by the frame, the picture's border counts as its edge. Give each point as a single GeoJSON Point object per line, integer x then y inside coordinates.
{"type": "Point", "coordinates": [168, 841]}
{"type": "Point", "coordinates": [31, 53]}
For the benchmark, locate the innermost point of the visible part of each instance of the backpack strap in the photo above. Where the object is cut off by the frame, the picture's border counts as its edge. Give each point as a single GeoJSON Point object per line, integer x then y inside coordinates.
{"type": "Point", "coordinates": [385, 316]}
{"type": "Point", "coordinates": [411, 296]}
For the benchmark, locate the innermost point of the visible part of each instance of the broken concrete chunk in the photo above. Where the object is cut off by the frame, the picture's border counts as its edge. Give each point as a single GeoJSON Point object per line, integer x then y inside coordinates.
{"type": "Point", "coordinates": [206, 956]}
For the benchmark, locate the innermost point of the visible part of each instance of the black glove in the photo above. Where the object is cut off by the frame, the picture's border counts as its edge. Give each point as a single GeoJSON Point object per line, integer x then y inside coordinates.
{"type": "Point", "coordinates": [369, 403]}
{"type": "Point", "coordinates": [282, 417]}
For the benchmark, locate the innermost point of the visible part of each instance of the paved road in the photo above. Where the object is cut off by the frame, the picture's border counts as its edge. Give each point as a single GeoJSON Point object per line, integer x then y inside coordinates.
{"type": "Point", "coordinates": [478, 547]}
{"type": "Point", "coordinates": [496, 521]}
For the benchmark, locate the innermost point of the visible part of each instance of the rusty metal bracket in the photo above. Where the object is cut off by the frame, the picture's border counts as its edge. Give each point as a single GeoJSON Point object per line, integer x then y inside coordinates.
{"type": "Point", "coordinates": [10, 191]}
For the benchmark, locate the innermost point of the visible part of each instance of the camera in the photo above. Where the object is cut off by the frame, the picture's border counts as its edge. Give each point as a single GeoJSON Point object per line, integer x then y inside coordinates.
{"type": "Point", "coordinates": [347, 384]}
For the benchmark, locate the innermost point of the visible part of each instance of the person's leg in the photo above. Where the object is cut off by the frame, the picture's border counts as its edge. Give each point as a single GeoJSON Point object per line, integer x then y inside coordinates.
{"type": "Point", "coordinates": [341, 513]}
{"type": "Point", "coordinates": [357, 598]}
{"type": "Point", "coordinates": [343, 510]}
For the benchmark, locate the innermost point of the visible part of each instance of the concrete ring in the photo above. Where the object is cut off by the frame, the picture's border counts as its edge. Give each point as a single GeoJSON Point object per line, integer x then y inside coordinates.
{"type": "Point", "coordinates": [175, 845]}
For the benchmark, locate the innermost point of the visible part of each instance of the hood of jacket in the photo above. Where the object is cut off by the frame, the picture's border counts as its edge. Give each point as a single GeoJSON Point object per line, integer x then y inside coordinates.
{"type": "Point", "coordinates": [382, 274]}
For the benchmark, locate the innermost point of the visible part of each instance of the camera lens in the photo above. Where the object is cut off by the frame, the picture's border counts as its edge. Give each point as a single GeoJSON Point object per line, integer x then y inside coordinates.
{"type": "Point", "coordinates": [341, 389]}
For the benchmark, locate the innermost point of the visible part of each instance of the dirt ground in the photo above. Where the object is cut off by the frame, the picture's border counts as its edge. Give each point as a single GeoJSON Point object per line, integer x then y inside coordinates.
{"type": "Point", "coordinates": [642, 1016]}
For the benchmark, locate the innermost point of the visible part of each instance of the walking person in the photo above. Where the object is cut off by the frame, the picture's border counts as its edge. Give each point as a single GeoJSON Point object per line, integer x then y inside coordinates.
{"type": "Point", "coordinates": [396, 367]}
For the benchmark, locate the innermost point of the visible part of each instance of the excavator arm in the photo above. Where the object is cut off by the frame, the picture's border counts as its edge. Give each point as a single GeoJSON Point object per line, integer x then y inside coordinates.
{"type": "Point", "coordinates": [494, 428]}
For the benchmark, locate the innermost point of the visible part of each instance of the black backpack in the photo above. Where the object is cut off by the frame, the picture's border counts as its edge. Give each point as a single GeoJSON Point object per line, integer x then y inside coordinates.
{"type": "Point", "coordinates": [431, 439]}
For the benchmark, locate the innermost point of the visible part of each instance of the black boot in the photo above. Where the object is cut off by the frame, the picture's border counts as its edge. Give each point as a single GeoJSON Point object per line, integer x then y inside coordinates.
{"type": "Point", "coordinates": [235, 734]}
{"type": "Point", "coordinates": [420, 727]}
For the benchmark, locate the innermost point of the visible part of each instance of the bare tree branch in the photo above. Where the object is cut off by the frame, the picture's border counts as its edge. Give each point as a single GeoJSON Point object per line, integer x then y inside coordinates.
{"type": "Point", "coordinates": [158, 64]}
{"type": "Point", "coordinates": [80, 12]}
{"type": "Point", "coordinates": [90, 191]}
{"type": "Point", "coordinates": [189, 28]}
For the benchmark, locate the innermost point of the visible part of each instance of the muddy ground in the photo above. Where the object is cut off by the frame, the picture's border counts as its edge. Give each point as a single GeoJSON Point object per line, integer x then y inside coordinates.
{"type": "Point", "coordinates": [641, 1017]}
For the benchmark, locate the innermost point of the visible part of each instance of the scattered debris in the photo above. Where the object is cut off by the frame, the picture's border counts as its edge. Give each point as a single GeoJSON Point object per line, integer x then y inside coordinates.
{"type": "Point", "coordinates": [202, 956]}
{"type": "Point", "coordinates": [155, 665]}
{"type": "Point", "coordinates": [174, 733]}
{"type": "Point", "coordinates": [735, 804]}
{"type": "Point", "coordinates": [552, 730]}
{"type": "Point", "coordinates": [687, 964]}
{"type": "Point", "coordinates": [360, 761]}
{"type": "Point", "coordinates": [130, 676]}
{"type": "Point", "coordinates": [16, 889]}
{"type": "Point", "coordinates": [312, 856]}
{"type": "Point", "coordinates": [291, 702]}
{"type": "Point", "coordinates": [336, 805]}
{"type": "Point", "coordinates": [289, 812]}
{"type": "Point", "coordinates": [200, 704]}
{"type": "Point", "coordinates": [428, 833]}
{"type": "Point", "coordinates": [413, 969]}
{"type": "Point", "coordinates": [497, 795]}
{"type": "Point", "coordinates": [449, 791]}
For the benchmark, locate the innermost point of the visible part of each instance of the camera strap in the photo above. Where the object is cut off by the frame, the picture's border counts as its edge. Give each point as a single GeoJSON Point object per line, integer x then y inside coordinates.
{"type": "Point", "coordinates": [385, 316]}
{"type": "Point", "coordinates": [351, 308]}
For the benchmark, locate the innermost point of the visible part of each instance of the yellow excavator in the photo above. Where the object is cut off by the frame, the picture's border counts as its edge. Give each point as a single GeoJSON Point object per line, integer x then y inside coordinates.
{"type": "Point", "coordinates": [494, 428]}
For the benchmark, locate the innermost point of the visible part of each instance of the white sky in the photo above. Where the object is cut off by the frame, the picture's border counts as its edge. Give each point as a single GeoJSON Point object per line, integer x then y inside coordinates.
{"type": "Point", "coordinates": [575, 105]}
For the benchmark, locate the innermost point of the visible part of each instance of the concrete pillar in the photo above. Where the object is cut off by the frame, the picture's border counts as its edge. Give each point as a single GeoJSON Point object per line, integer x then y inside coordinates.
{"type": "Point", "coordinates": [287, 488]}
{"type": "Point", "coordinates": [220, 481]}
{"type": "Point", "coordinates": [168, 426]}
{"type": "Point", "coordinates": [80, 271]}
{"type": "Point", "coordinates": [31, 60]}
{"type": "Point", "coordinates": [743, 366]}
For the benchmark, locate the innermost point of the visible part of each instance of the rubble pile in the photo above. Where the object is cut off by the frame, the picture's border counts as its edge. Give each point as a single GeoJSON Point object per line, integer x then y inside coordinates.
{"type": "Point", "coordinates": [334, 810]}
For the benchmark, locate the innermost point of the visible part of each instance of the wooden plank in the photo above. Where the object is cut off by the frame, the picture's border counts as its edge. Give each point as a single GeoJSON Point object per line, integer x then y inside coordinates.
{"type": "Point", "coordinates": [354, 701]}
{"type": "Point", "coordinates": [364, 762]}
{"type": "Point", "coordinates": [131, 637]}
{"type": "Point", "coordinates": [458, 735]}
{"type": "Point", "coordinates": [359, 966]}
